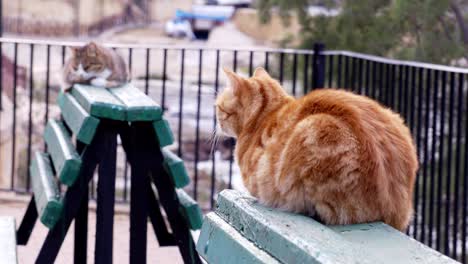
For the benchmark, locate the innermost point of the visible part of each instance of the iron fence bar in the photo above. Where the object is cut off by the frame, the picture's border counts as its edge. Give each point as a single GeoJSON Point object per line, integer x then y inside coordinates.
{"type": "Point", "coordinates": [412, 125]}
{"type": "Point", "coordinates": [338, 77]}
{"type": "Point", "coordinates": [306, 74]}
{"type": "Point", "coordinates": [390, 86]}
{"type": "Point", "coordinates": [458, 164]}
{"type": "Point", "coordinates": [425, 156]}
{"type": "Point", "coordinates": [181, 96]}
{"type": "Point", "coordinates": [406, 89]}
{"type": "Point", "coordinates": [294, 73]}
{"type": "Point", "coordinates": [375, 67]}
{"type": "Point", "coordinates": [64, 52]}
{"type": "Point", "coordinates": [346, 73]}
{"type": "Point", "coordinates": [330, 71]}
{"type": "Point", "coordinates": [367, 78]}
{"type": "Point", "coordinates": [449, 165]}
{"type": "Point", "coordinates": [147, 70]}
{"type": "Point", "coordinates": [250, 63]}
{"type": "Point", "coordinates": [353, 74]}
{"type": "Point", "coordinates": [197, 126]}
{"type": "Point", "coordinates": [164, 78]}
{"type": "Point", "coordinates": [433, 157]}
{"type": "Point", "coordinates": [418, 147]}
{"type": "Point", "coordinates": [441, 165]}
{"type": "Point", "coordinates": [360, 84]}
{"type": "Point", "coordinates": [31, 83]}
{"type": "Point", "coordinates": [465, 181]}
{"type": "Point", "coordinates": [381, 94]}
{"type": "Point", "coordinates": [400, 88]}
{"type": "Point", "coordinates": [13, 129]}
{"type": "Point", "coordinates": [47, 96]}
{"type": "Point", "coordinates": [281, 65]}
{"type": "Point", "coordinates": [213, 151]}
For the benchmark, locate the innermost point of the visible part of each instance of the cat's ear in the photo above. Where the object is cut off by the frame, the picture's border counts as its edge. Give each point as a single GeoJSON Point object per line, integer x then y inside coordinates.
{"type": "Point", "coordinates": [235, 80]}
{"type": "Point", "coordinates": [260, 72]}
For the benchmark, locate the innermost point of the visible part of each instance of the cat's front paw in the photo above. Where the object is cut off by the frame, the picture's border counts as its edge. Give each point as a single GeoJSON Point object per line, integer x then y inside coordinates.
{"type": "Point", "coordinates": [99, 82]}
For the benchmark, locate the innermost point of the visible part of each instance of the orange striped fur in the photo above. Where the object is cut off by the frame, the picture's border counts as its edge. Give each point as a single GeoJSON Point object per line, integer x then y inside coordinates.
{"type": "Point", "coordinates": [332, 154]}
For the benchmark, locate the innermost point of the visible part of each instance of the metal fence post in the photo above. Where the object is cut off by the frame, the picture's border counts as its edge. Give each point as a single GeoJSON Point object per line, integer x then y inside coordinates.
{"type": "Point", "coordinates": [318, 67]}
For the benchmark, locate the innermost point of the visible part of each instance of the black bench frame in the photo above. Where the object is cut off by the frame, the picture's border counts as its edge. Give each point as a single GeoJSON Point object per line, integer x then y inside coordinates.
{"type": "Point", "coordinates": [146, 160]}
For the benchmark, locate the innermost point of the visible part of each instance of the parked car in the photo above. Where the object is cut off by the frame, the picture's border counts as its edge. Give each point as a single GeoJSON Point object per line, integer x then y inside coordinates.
{"type": "Point", "coordinates": [236, 3]}
{"type": "Point", "coordinates": [179, 28]}
{"type": "Point", "coordinates": [199, 21]}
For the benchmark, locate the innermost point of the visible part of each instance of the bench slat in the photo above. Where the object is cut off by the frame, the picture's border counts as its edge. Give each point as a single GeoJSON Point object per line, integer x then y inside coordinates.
{"type": "Point", "coordinates": [99, 102]}
{"type": "Point", "coordinates": [46, 193]}
{"type": "Point", "coordinates": [290, 238]}
{"type": "Point", "coordinates": [176, 169]}
{"type": "Point", "coordinates": [389, 245]}
{"type": "Point", "coordinates": [78, 120]}
{"type": "Point", "coordinates": [190, 209]}
{"type": "Point", "coordinates": [67, 162]}
{"type": "Point", "coordinates": [221, 243]}
{"type": "Point", "coordinates": [8, 240]}
{"type": "Point", "coordinates": [163, 132]}
{"type": "Point", "coordinates": [139, 107]}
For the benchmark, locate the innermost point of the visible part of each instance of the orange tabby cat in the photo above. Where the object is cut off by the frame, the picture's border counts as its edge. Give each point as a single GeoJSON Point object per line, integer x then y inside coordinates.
{"type": "Point", "coordinates": [333, 154]}
{"type": "Point", "coordinates": [96, 65]}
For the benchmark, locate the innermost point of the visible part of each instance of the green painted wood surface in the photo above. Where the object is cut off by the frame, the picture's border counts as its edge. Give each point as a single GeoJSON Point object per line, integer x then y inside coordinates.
{"type": "Point", "coordinates": [293, 238]}
{"type": "Point", "coordinates": [8, 240]}
{"type": "Point", "coordinates": [221, 243]}
{"type": "Point", "coordinates": [290, 238]}
{"type": "Point", "coordinates": [163, 132]}
{"type": "Point", "coordinates": [389, 245]}
{"type": "Point", "coordinates": [67, 162]}
{"type": "Point", "coordinates": [78, 120]}
{"type": "Point", "coordinates": [176, 168]}
{"type": "Point", "coordinates": [46, 193]}
{"type": "Point", "coordinates": [99, 102]}
{"type": "Point", "coordinates": [139, 107]}
{"type": "Point", "coordinates": [190, 210]}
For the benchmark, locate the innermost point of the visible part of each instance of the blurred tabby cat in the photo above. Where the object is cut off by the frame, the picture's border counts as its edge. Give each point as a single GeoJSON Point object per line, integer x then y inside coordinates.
{"type": "Point", "coordinates": [96, 65]}
{"type": "Point", "coordinates": [332, 154]}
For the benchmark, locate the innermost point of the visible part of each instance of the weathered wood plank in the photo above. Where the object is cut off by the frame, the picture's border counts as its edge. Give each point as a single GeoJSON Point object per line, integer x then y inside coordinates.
{"type": "Point", "coordinates": [46, 193]}
{"type": "Point", "coordinates": [176, 168]}
{"type": "Point", "coordinates": [221, 243]}
{"type": "Point", "coordinates": [163, 132]}
{"type": "Point", "coordinates": [78, 120]}
{"type": "Point", "coordinates": [99, 102]}
{"type": "Point", "coordinates": [67, 162]}
{"type": "Point", "coordinates": [8, 240]}
{"type": "Point", "coordinates": [288, 237]}
{"type": "Point", "coordinates": [390, 245]}
{"type": "Point", "coordinates": [139, 107]}
{"type": "Point", "coordinates": [190, 210]}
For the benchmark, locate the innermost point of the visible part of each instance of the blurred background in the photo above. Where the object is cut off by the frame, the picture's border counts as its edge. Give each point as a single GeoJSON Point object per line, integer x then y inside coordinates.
{"type": "Point", "coordinates": [411, 56]}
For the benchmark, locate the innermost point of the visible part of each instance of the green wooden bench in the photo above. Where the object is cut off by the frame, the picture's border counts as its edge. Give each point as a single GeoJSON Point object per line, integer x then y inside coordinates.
{"type": "Point", "coordinates": [243, 231]}
{"type": "Point", "coordinates": [48, 200]}
{"type": "Point", "coordinates": [7, 240]}
{"type": "Point", "coordinates": [95, 117]}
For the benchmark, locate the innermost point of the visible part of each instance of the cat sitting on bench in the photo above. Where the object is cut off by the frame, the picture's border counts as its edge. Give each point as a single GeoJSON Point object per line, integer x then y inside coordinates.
{"type": "Point", "coordinates": [95, 65]}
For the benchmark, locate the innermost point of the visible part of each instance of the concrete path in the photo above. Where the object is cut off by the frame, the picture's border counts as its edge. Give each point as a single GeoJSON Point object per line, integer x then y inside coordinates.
{"type": "Point", "coordinates": [15, 205]}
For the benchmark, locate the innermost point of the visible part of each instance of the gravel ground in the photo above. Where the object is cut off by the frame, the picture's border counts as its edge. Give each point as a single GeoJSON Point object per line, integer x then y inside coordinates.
{"type": "Point", "coordinates": [15, 205]}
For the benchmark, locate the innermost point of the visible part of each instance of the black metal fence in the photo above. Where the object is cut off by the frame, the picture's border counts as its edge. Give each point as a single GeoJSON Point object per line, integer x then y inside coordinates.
{"type": "Point", "coordinates": [433, 99]}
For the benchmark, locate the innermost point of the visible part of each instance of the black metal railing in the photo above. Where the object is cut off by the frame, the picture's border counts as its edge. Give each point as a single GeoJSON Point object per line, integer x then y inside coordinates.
{"type": "Point", "coordinates": [433, 99]}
